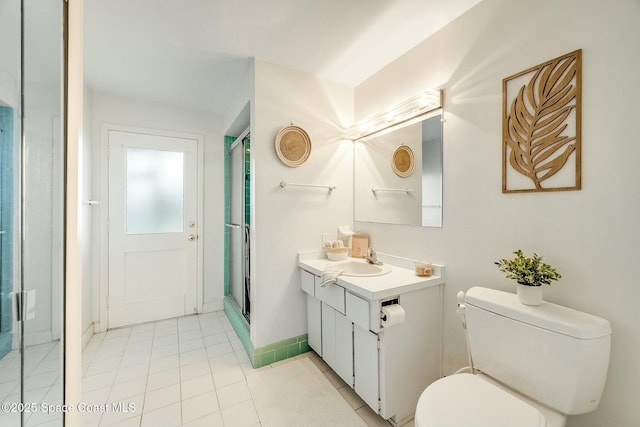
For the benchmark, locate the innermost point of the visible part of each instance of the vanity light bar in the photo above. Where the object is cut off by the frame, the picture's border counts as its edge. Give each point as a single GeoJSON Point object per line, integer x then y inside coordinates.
{"type": "Point", "coordinates": [404, 114]}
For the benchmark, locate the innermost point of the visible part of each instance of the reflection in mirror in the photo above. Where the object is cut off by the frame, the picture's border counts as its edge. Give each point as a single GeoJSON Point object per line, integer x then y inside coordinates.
{"type": "Point", "coordinates": [383, 195]}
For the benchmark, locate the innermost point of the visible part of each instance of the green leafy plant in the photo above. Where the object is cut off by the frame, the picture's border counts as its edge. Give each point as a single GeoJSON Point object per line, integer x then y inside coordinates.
{"type": "Point", "coordinates": [529, 271]}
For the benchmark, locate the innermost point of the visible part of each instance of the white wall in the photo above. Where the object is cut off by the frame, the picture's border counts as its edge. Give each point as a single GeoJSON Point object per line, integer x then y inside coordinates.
{"type": "Point", "coordinates": [289, 220]}
{"type": "Point", "coordinates": [591, 235]}
{"type": "Point", "coordinates": [238, 114]}
{"type": "Point", "coordinates": [112, 109]}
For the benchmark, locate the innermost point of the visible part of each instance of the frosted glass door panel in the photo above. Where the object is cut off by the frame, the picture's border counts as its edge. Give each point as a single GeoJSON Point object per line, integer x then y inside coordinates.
{"type": "Point", "coordinates": [155, 191]}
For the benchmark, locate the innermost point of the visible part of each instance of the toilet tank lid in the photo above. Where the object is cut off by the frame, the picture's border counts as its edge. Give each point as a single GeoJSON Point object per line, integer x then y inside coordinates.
{"type": "Point", "coordinates": [553, 317]}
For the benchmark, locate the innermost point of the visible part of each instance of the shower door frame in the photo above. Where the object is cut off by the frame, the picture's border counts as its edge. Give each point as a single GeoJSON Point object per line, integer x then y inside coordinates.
{"type": "Point", "coordinates": [243, 306]}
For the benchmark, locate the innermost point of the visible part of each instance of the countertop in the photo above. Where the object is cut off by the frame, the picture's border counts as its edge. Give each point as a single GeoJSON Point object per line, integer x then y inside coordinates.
{"type": "Point", "coordinates": [400, 280]}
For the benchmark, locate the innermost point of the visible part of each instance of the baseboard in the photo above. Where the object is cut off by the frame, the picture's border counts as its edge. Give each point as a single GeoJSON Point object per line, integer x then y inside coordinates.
{"type": "Point", "coordinates": [239, 326]}
{"type": "Point", "coordinates": [262, 356]}
{"type": "Point", "coordinates": [35, 338]}
{"type": "Point", "coordinates": [86, 336]}
{"type": "Point", "coordinates": [212, 306]}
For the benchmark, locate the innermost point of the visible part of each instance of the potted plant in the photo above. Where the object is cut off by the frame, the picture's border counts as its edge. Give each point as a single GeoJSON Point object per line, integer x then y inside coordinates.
{"type": "Point", "coordinates": [530, 273]}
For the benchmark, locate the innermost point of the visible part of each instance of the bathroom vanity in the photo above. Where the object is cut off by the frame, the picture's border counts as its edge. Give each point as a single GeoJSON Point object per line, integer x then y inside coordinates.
{"type": "Point", "coordinates": [387, 366]}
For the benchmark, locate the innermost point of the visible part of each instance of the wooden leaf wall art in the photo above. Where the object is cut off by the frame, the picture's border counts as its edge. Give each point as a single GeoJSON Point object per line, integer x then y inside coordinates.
{"type": "Point", "coordinates": [541, 148]}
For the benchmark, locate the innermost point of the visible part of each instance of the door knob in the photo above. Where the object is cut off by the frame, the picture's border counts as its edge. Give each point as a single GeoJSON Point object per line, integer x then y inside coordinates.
{"type": "Point", "coordinates": [192, 237]}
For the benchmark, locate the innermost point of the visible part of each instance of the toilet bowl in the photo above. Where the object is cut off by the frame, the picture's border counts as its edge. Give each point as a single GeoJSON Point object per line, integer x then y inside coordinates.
{"type": "Point", "coordinates": [465, 400]}
{"type": "Point", "coordinates": [535, 366]}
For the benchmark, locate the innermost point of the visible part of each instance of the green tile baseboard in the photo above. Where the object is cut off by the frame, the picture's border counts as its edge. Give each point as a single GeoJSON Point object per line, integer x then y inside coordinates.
{"type": "Point", "coordinates": [262, 356]}
{"type": "Point", "coordinates": [239, 325]}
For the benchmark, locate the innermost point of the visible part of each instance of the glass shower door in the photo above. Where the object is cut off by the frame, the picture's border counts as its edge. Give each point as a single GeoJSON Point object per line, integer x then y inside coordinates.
{"type": "Point", "coordinates": [42, 216]}
{"type": "Point", "coordinates": [31, 211]}
{"type": "Point", "coordinates": [9, 338]}
{"type": "Point", "coordinates": [238, 264]}
{"type": "Point", "coordinates": [6, 228]}
{"type": "Point", "coordinates": [10, 104]}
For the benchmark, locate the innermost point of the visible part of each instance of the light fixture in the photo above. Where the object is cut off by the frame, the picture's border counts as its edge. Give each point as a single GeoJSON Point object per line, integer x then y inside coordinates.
{"type": "Point", "coordinates": [404, 114]}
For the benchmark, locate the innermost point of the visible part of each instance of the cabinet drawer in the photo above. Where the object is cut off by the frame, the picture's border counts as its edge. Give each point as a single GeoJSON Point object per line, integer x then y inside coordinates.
{"type": "Point", "coordinates": [307, 281]}
{"type": "Point", "coordinates": [332, 295]}
{"type": "Point", "coordinates": [357, 310]}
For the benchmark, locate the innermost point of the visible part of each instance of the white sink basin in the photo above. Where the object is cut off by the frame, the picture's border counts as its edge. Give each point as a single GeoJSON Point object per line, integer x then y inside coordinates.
{"type": "Point", "coordinates": [360, 268]}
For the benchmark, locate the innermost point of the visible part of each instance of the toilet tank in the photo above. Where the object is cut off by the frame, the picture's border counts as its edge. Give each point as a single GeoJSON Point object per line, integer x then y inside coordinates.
{"type": "Point", "coordinates": [553, 354]}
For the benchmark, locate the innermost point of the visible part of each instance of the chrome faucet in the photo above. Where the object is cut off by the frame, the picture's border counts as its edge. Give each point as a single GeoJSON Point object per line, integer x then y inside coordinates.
{"type": "Point", "coordinates": [372, 257]}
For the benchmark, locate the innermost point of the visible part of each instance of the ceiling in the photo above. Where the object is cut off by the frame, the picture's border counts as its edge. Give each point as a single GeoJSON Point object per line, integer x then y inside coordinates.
{"type": "Point", "coordinates": [194, 53]}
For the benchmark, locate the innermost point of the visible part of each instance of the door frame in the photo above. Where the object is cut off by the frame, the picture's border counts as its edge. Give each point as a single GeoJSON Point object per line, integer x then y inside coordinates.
{"type": "Point", "coordinates": [101, 223]}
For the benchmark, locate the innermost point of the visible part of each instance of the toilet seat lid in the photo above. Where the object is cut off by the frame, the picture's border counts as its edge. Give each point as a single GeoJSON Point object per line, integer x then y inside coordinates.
{"type": "Point", "coordinates": [467, 400]}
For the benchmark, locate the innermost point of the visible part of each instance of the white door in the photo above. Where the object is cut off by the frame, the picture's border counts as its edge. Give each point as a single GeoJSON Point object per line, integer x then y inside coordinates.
{"type": "Point", "coordinates": [152, 227]}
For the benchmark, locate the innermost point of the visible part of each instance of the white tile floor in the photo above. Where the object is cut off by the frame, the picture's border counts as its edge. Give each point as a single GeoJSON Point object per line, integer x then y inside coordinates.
{"type": "Point", "coordinates": [189, 371]}
{"type": "Point", "coordinates": [42, 368]}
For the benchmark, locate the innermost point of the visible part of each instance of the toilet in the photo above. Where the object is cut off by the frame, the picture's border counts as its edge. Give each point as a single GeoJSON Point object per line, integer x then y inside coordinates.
{"type": "Point", "coordinates": [533, 366]}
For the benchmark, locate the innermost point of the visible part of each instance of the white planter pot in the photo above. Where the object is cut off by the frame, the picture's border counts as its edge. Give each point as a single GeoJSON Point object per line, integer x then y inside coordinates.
{"type": "Point", "coordinates": [529, 295]}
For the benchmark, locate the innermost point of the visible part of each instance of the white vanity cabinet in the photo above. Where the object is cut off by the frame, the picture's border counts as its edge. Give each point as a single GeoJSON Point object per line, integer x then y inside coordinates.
{"type": "Point", "coordinates": [337, 342]}
{"type": "Point", "coordinates": [330, 333]}
{"type": "Point", "coordinates": [387, 367]}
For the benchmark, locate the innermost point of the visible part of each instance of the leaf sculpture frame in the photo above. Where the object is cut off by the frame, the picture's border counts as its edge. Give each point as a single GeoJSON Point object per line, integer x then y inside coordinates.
{"type": "Point", "coordinates": [541, 127]}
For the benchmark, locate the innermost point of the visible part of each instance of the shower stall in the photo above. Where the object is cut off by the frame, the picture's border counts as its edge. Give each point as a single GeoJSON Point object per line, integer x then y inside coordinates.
{"type": "Point", "coordinates": [31, 210]}
{"type": "Point", "coordinates": [238, 224]}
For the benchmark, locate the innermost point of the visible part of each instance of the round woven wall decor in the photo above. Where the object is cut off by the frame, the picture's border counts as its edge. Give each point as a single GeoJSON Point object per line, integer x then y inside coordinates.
{"type": "Point", "coordinates": [402, 161]}
{"type": "Point", "coordinates": [293, 146]}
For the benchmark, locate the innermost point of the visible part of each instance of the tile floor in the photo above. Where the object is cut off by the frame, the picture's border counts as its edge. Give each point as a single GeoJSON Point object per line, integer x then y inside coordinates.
{"type": "Point", "coordinates": [189, 371]}
{"type": "Point", "coordinates": [42, 367]}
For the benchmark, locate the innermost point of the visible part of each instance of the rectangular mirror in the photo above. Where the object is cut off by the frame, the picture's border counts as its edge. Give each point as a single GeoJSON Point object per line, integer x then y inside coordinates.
{"type": "Point", "coordinates": [398, 175]}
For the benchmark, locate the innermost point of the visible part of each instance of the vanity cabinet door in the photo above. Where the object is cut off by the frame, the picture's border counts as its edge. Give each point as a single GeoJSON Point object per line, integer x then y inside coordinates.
{"type": "Point", "coordinates": [365, 357]}
{"type": "Point", "coordinates": [344, 348]}
{"type": "Point", "coordinates": [314, 324]}
{"type": "Point", "coordinates": [337, 343]}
